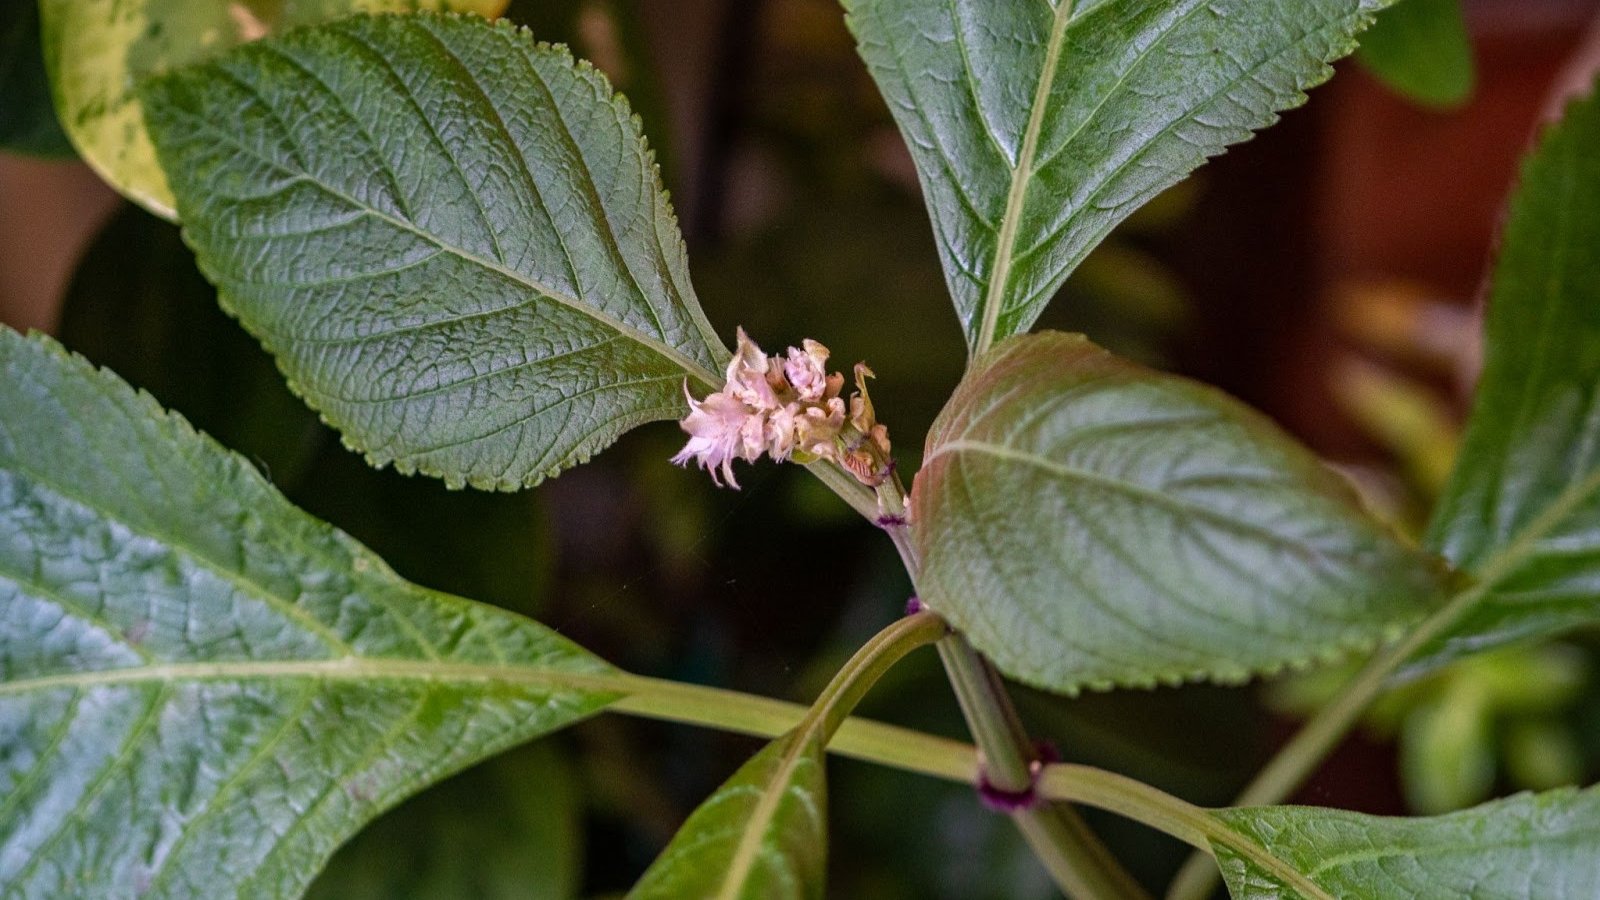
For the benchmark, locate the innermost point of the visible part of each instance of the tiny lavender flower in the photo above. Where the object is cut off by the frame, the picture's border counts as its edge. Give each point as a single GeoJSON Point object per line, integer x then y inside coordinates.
{"type": "Point", "coordinates": [787, 407]}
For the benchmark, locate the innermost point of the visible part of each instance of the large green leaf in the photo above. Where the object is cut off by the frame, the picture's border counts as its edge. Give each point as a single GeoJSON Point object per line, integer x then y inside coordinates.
{"type": "Point", "coordinates": [1522, 509]}
{"type": "Point", "coordinates": [452, 238]}
{"type": "Point", "coordinates": [27, 117]}
{"type": "Point", "coordinates": [1421, 49]}
{"type": "Point", "coordinates": [203, 691]}
{"type": "Point", "coordinates": [97, 52]}
{"type": "Point", "coordinates": [1528, 846]}
{"type": "Point", "coordinates": [761, 836]}
{"type": "Point", "coordinates": [1037, 125]}
{"type": "Point", "coordinates": [1088, 522]}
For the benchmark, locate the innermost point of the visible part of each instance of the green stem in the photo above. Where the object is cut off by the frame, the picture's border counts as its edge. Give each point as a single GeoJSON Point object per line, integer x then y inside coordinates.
{"type": "Point", "coordinates": [1298, 758]}
{"type": "Point", "coordinates": [863, 670]}
{"type": "Point", "coordinates": [953, 761]}
{"type": "Point", "coordinates": [1078, 862]}
{"type": "Point", "coordinates": [1156, 808]}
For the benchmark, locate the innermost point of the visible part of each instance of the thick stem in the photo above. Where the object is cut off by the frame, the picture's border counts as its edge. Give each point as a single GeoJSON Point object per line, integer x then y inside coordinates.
{"type": "Point", "coordinates": [1008, 762]}
{"type": "Point", "coordinates": [1076, 859]}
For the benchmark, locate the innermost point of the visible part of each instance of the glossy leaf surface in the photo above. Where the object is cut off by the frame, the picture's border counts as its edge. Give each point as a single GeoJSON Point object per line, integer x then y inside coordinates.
{"type": "Point", "coordinates": [98, 51]}
{"type": "Point", "coordinates": [1088, 522]}
{"type": "Point", "coordinates": [1522, 510]}
{"type": "Point", "coordinates": [453, 239]}
{"type": "Point", "coordinates": [1531, 845]}
{"type": "Point", "coordinates": [1421, 49]}
{"type": "Point", "coordinates": [1038, 125]}
{"type": "Point", "coordinates": [203, 691]}
{"type": "Point", "coordinates": [761, 836]}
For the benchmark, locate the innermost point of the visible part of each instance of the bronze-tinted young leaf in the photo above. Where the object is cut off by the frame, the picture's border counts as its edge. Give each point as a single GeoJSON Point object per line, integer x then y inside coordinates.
{"type": "Point", "coordinates": [1522, 510]}
{"type": "Point", "coordinates": [98, 51]}
{"type": "Point", "coordinates": [1528, 846]}
{"type": "Point", "coordinates": [452, 238]}
{"type": "Point", "coordinates": [1089, 522]}
{"type": "Point", "coordinates": [1038, 125]}
{"type": "Point", "coordinates": [204, 691]}
{"type": "Point", "coordinates": [1421, 49]}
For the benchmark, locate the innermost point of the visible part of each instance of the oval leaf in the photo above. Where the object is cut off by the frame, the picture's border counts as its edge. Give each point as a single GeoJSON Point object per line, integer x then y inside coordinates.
{"type": "Point", "coordinates": [1522, 509]}
{"type": "Point", "coordinates": [1421, 49]}
{"type": "Point", "coordinates": [204, 691]}
{"type": "Point", "coordinates": [453, 239]}
{"type": "Point", "coordinates": [97, 52]}
{"type": "Point", "coordinates": [1037, 125]}
{"type": "Point", "coordinates": [761, 836]}
{"type": "Point", "coordinates": [1088, 522]}
{"type": "Point", "coordinates": [1527, 846]}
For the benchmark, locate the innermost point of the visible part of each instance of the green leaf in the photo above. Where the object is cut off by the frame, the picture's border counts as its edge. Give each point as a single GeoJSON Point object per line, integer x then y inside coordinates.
{"type": "Point", "coordinates": [1088, 522]}
{"type": "Point", "coordinates": [1421, 49]}
{"type": "Point", "coordinates": [761, 836]}
{"type": "Point", "coordinates": [1038, 125]}
{"type": "Point", "coordinates": [1522, 510]}
{"type": "Point", "coordinates": [27, 117]}
{"type": "Point", "coordinates": [509, 829]}
{"type": "Point", "coordinates": [98, 51]}
{"type": "Point", "coordinates": [452, 238]}
{"type": "Point", "coordinates": [1530, 845]}
{"type": "Point", "coordinates": [203, 691]}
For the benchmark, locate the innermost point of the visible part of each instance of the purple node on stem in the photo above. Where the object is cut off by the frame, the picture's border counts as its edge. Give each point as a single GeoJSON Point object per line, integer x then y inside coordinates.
{"type": "Point", "coordinates": [915, 605]}
{"type": "Point", "coordinates": [890, 520]}
{"type": "Point", "coordinates": [1003, 801]}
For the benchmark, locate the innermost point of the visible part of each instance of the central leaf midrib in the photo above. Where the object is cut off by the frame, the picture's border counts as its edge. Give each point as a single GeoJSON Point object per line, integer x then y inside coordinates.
{"type": "Point", "coordinates": [340, 669]}
{"type": "Point", "coordinates": [690, 366]}
{"type": "Point", "coordinates": [1129, 488]}
{"type": "Point", "coordinates": [1021, 175]}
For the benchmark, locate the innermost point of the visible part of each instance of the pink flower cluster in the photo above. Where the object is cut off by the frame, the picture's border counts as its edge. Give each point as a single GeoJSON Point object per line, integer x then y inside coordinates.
{"type": "Point", "coordinates": [784, 406]}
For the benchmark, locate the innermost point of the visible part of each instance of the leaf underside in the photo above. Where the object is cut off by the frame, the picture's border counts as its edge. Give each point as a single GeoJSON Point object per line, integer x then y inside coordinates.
{"type": "Point", "coordinates": [204, 691]}
{"type": "Point", "coordinates": [1037, 126]}
{"type": "Point", "coordinates": [1522, 509]}
{"type": "Point", "coordinates": [1087, 522]}
{"type": "Point", "coordinates": [781, 792]}
{"type": "Point", "coordinates": [97, 52]}
{"type": "Point", "coordinates": [453, 239]}
{"type": "Point", "coordinates": [1527, 846]}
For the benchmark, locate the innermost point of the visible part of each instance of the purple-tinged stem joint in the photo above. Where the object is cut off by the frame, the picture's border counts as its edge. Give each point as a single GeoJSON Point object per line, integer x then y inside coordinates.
{"type": "Point", "coordinates": [915, 605]}
{"type": "Point", "coordinates": [1003, 801]}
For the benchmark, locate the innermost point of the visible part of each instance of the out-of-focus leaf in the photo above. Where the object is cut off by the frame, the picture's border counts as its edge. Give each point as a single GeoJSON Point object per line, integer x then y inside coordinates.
{"type": "Point", "coordinates": [98, 51]}
{"type": "Point", "coordinates": [1531, 845]}
{"type": "Point", "coordinates": [1447, 752]}
{"type": "Point", "coordinates": [1088, 522]}
{"type": "Point", "coordinates": [1521, 513]}
{"type": "Point", "coordinates": [28, 122]}
{"type": "Point", "coordinates": [204, 691]}
{"type": "Point", "coordinates": [1421, 49]}
{"type": "Point", "coordinates": [1038, 125]}
{"type": "Point", "coordinates": [138, 306]}
{"type": "Point", "coordinates": [504, 830]}
{"type": "Point", "coordinates": [491, 292]}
